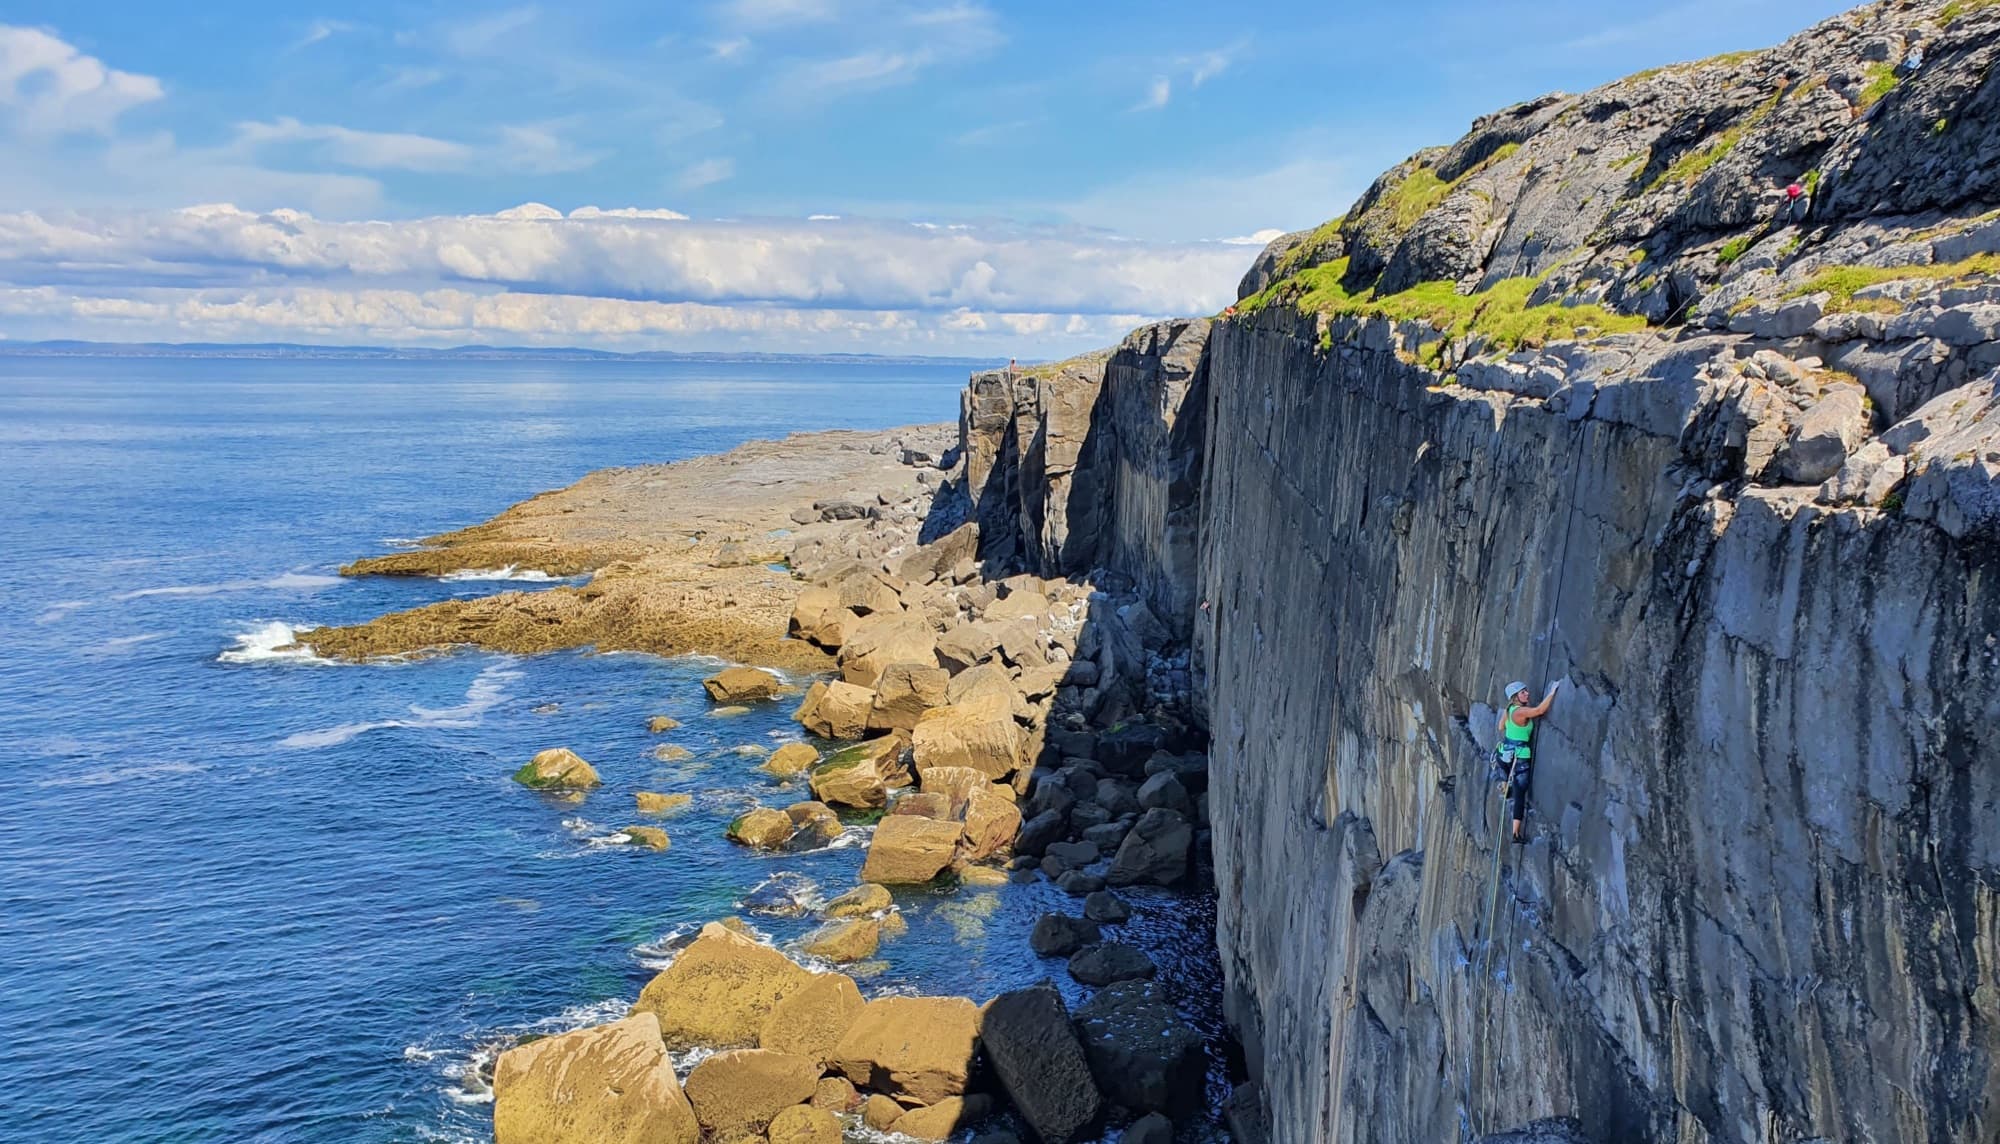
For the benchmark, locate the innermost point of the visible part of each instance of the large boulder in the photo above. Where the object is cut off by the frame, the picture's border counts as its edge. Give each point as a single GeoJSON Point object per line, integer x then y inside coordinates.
{"type": "Point", "coordinates": [939, 1121]}
{"type": "Point", "coordinates": [861, 775]}
{"type": "Point", "coordinates": [980, 734]}
{"type": "Point", "coordinates": [1155, 851]}
{"type": "Point", "coordinates": [1142, 1053]}
{"type": "Point", "coordinates": [988, 679]}
{"type": "Point", "coordinates": [1165, 790]}
{"type": "Point", "coordinates": [558, 768]}
{"type": "Point", "coordinates": [740, 685]}
{"type": "Point", "coordinates": [881, 640]}
{"type": "Point", "coordinates": [1059, 935]}
{"type": "Point", "coordinates": [936, 559]}
{"type": "Point", "coordinates": [819, 618]}
{"type": "Point", "coordinates": [802, 1124]}
{"type": "Point", "coordinates": [720, 990]}
{"type": "Point", "coordinates": [844, 940]}
{"type": "Point", "coordinates": [1041, 1065]}
{"type": "Point", "coordinates": [966, 646]}
{"type": "Point", "coordinates": [739, 1092]}
{"type": "Point", "coordinates": [607, 1084]}
{"type": "Point", "coordinates": [835, 710]}
{"type": "Point", "coordinates": [790, 760]}
{"type": "Point", "coordinates": [864, 900]}
{"type": "Point", "coordinates": [650, 837]}
{"type": "Point", "coordinates": [908, 848]}
{"type": "Point", "coordinates": [1039, 832]}
{"type": "Point", "coordinates": [810, 1021]}
{"type": "Point", "coordinates": [954, 784]}
{"type": "Point", "coordinates": [904, 692]}
{"type": "Point", "coordinates": [1110, 962]}
{"type": "Point", "coordinates": [992, 822]}
{"type": "Point", "coordinates": [761, 828]}
{"type": "Point", "coordinates": [914, 1048]}
{"type": "Point", "coordinates": [816, 822]}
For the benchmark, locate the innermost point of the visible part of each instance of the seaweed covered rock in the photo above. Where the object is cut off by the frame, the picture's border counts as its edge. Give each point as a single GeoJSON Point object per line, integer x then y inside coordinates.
{"type": "Point", "coordinates": [861, 775]}
{"type": "Point", "coordinates": [558, 768]}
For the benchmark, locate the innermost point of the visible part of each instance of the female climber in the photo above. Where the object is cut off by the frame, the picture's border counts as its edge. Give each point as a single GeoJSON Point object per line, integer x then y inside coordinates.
{"type": "Point", "coordinates": [1515, 758]}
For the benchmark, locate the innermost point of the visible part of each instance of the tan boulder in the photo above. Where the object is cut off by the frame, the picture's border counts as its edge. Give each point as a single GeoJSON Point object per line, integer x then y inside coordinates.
{"type": "Point", "coordinates": [762, 828]}
{"type": "Point", "coordinates": [729, 711]}
{"type": "Point", "coordinates": [558, 768]}
{"type": "Point", "coordinates": [981, 876]}
{"type": "Point", "coordinates": [835, 1094]}
{"type": "Point", "coordinates": [816, 823]}
{"type": "Point", "coordinates": [817, 618]}
{"type": "Point", "coordinates": [920, 1048]}
{"type": "Point", "coordinates": [651, 837]}
{"type": "Point", "coordinates": [790, 760]}
{"type": "Point", "coordinates": [1023, 602]}
{"type": "Point", "coordinates": [904, 692]}
{"type": "Point", "coordinates": [861, 775]}
{"type": "Point", "coordinates": [880, 1112]}
{"type": "Point", "coordinates": [929, 805]}
{"type": "Point", "coordinates": [672, 753]}
{"type": "Point", "coordinates": [986, 679]}
{"type": "Point", "coordinates": [862, 901]}
{"type": "Point", "coordinates": [805, 1124]}
{"type": "Point", "coordinates": [835, 710]}
{"type": "Point", "coordinates": [979, 733]}
{"type": "Point", "coordinates": [892, 924]}
{"type": "Point", "coordinates": [607, 1084]}
{"type": "Point", "coordinates": [844, 940]}
{"type": "Point", "coordinates": [740, 685]}
{"type": "Point", "coordinates": [956, 784]}
{"type": "Point", "coordinates": [991, 823]}
{"type": "Point", "coordinates": [740, 1091]}
{"type": "Point", "coordinates": [908, 849]}
{"type": "Point", "coordinates": [810, 1021]}
{"type": "Point", "coordinates": [653, 802]}
{"type": "Point", "coordinates": [884, 639]}
{"type": "Point", "coordinates": [938, 1121]}
{"type": "Point", "coordinates": [720, 990]}
{"type": "Point", "coordinates": [659, 724]}
{"type": "Point", "coordinates": [865, 591]}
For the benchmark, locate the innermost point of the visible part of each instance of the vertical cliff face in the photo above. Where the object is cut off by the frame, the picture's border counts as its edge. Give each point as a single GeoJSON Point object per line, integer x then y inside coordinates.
{"type": "Point", "coordinates": [1566, 401]}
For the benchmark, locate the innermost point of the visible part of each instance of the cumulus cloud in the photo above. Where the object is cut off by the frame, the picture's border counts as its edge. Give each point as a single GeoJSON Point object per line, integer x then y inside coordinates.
{"type": "Point", "coordinates": [629, 276]}
{"type": "Point", "coordinates": [48, 87]}
{"type": "Point", "coordinates": [836, 263]}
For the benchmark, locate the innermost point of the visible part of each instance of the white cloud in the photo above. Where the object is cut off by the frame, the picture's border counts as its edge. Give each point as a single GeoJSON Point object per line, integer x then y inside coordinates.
{"type": "Point", "coordinates": [854, 264]}
{"type": "Point", "coordinates": [49, 88]}
{"type": "Point", "coordinates": [1260, 238]}
{"type": "Point", "coordinates": [878, 43]}
{"type": "Point", "coordinates": [322, 30]}
{"type": "Point", "coordinates": [706, 173]}
{"type": "Point", "coordinates": [368, 150]}
{"type": "Point", "coordinates": [777, 13]}
{"type": "Point", "coordinates": [481, 36]}
{"type": "Point", "coordinates": [1157, 94]}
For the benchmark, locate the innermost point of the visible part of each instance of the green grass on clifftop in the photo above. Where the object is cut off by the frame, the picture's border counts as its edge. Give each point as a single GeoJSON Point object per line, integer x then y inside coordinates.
{"type": "Point", "coordinates": [1844, 281]}
{"type": "Point", "coordinates": [1501, 315]}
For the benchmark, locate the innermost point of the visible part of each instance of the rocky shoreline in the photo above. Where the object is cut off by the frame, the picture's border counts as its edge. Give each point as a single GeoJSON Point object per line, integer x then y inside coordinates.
{"type": "Point", "coordinates": [990, 733]}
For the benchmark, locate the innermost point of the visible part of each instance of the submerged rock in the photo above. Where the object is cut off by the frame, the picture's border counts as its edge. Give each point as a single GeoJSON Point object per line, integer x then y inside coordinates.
{"type": "Point", "coordinates": [558, 768]}
{"type": "Point", "coordinates": [863, 900]}
{"type": "Point", "coordinates": [847, 939]}
{"type": "Point", "coordinates": [607, 1084]}
{"type": "Point", "coordinates": [720, 990]}
{"type": "Point", "coordinates": [650, 837]}
{"type": "Point", "coordinates": [1041, 1064]}
{"type": "Point", "coordinates": [659, 724]}
{"type": "Point", "coordinates": [652, 802]}
{"type": "Point", "coordinates": [804, 1124]}
{"type": "Point", "coordinates": [1110, 962]}
{"type": "Point", "coordinates": [1144, 1056]}
{"type": "Point", "coordinates": [1059, 935]}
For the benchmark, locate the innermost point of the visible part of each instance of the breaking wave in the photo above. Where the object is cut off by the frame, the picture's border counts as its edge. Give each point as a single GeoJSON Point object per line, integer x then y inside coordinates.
{"type": "Point", "coordinates": [488, 690]}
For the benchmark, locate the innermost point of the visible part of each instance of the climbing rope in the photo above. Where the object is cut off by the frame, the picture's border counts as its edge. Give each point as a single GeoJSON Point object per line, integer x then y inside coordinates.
{"type": "Point", "coordinates": [1483, 965]}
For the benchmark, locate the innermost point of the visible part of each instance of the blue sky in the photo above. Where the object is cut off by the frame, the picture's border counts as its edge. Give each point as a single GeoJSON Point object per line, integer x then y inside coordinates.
{"type": "Point", "coordinates": [1024, 179]}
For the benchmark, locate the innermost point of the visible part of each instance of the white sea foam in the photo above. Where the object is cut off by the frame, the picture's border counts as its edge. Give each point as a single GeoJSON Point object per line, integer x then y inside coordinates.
{"type": "Point", "coordinates": [109, 775]}
{"type": "Point", "coordinates": [58, 610]}
{"type": "Point", "coordinates": [488, 690]}
{"type": "Point", "coordinates": [120, 644]}
{"type": "Point", "coordinates": [287, 582]}
{"type": "Point", "coordinates": [510, 572]}
{"type": "Point", "coordinates": [272, 642]}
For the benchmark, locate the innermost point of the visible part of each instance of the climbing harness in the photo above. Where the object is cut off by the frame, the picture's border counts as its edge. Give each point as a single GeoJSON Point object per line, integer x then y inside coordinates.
{"type": "Point", "coordinates": [1484, 940]}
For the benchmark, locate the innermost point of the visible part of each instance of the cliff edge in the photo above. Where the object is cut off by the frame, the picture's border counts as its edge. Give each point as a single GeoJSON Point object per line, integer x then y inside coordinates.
{"type": "Point", "coordinates": [1584, 396]}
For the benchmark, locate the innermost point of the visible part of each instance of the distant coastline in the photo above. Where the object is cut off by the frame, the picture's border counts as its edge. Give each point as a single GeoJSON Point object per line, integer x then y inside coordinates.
{"type": "Point", "coordinates": [292, 351]}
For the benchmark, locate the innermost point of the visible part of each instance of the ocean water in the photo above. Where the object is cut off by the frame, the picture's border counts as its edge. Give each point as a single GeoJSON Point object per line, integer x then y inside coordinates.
{"type": "Point", "coordinates": [249, 896]}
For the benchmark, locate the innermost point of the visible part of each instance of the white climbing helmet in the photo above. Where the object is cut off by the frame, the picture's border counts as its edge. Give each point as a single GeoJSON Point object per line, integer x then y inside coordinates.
{"type": "Point", "coordinates": [1516, 688]}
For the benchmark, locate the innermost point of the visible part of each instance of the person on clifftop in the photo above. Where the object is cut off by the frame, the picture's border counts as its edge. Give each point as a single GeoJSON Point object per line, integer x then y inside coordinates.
{"type": "Point", "coordinates": [1514, 763]}
{"type": "Point", "coordinates": [1797, 205]}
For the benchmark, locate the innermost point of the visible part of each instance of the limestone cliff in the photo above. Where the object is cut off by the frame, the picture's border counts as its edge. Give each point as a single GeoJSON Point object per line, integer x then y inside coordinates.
{"type": "Point", "coordinates": [1575, 398]}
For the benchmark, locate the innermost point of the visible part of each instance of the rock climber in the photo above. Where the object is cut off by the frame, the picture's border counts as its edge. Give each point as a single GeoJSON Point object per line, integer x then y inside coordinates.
{"type": "Point", "coordinates": [1796, 205]}
{"type": "Point", "coordinates": [1514, 761]}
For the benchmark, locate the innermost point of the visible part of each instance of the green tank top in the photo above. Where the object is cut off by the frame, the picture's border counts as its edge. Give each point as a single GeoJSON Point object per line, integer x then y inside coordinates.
{"type": "Point", "coordinates": [1518, 734]}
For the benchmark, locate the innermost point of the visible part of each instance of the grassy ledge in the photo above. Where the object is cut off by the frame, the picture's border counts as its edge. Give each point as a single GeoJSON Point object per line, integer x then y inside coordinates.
{"type": "Point", "coordinates": [1844, 281]}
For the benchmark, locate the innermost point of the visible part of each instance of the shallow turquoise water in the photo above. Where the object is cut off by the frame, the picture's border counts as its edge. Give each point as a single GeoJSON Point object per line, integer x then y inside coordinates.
{"type": "Point", "coordinates": [253, 897]}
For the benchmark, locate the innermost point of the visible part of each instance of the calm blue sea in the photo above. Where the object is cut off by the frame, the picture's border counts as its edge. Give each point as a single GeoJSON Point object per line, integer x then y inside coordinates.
{"type": "Point", "coordinates": [252, 897]}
